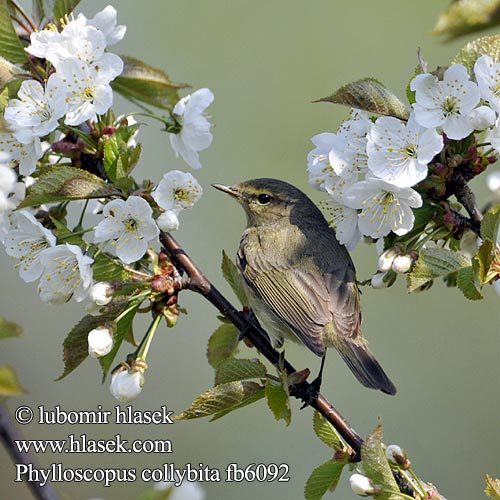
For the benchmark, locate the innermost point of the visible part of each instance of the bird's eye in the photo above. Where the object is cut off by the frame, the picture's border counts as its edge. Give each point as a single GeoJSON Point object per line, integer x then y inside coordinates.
{"type": "Point", "coordinates": [264, 198]}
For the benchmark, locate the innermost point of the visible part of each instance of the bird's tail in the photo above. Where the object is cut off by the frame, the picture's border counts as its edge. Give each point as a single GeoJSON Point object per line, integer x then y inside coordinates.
{"type": "Point", "coordinates": [364, 366]}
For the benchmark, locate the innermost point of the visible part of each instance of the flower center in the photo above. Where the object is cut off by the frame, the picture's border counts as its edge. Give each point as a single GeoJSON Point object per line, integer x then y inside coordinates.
{"type": "Point", "coordinates": [182, 194]}
{"type": "Point", "coordinates": [130, 225]}
{"type": "Point", "coordinates": [88, 93]}
{"type": "Point", "coordinates": [450, 106]}
{"type": "Point", "coordinates": [410, 151]}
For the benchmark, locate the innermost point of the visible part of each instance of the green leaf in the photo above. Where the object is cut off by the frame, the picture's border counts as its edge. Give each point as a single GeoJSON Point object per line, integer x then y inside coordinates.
{"type": "Point", "coordinates": [483, 260]}
{"type": "Point", "coordinates": [278, 400]}
{"type": "Point", "coordinates": [468, 284]}
{"type": "Point", "coordinates": [467, 16]}
{"type": "Point", "coordinates": [9, 92]}
{"type": "Point", "coordinates": [105, 268]}
{"type": "Point", "coordinates": [247, 401]}
{"type": "Point", "coordinates": [123, 327]}
{"type": "Point", "coordinates": [221, 398]}
{"type": "Point", "coordinates": [326, 432]}
{"type": "Point", "coordinates": [63, 8]}
{"type": "Point", "coordinates": [490, 224]}
{"type": "Point", "coordinates": [434, 263]}
{"type": "Point", "coordinates": [142, 82]}
{"type": "Point", "coordinates": [60, 183]}
{"type": "Point", "coordinates": [9, 329]}
{"type": "Point", "coordinates": [119, 158]}
{"type": "Point", "coordinates": [11, 47]}
{"type": "Point", "coordinates": [222, 344]}
{"type": "Point", "coordinates": [323, 478]}
{"type": "Point", "coordinates": [369, 95]}
{"type": "Point", "coordinates": [487, 45]}
{"type": "Point", "coordinates": [492, 488]}
{"type": "Point", "coordinates": [234, 278]}
{"type": "Point", "coordinates": [377, 467]}
{"type": "Point", "coordinates": [233, 369]}
{"type": "Point", "coordinates": [9, 383]}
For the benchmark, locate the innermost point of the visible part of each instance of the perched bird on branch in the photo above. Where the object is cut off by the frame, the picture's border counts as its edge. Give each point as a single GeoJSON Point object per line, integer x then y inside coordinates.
{"type": "Point", "coordinates": [300, 280]}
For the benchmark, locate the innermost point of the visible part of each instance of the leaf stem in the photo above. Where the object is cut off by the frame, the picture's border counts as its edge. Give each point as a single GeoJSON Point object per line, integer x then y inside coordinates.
{"type": "Point", "coordinates": [142, 350]}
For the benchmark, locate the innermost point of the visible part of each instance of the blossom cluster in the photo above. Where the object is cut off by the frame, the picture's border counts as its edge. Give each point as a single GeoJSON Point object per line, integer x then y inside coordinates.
{"type": "Point", "coordinates": [51, 120]}
{"type": "Point", "coordinates": [373, 168]}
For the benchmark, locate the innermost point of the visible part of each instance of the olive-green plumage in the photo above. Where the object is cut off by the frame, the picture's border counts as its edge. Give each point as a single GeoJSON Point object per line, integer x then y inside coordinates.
{"type": "Point", "coordinates": [300, 280]}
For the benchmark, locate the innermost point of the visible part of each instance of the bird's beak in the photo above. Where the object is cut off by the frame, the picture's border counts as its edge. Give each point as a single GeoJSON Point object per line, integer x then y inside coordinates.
{"type": "Point", "coordinates": [230, 190]}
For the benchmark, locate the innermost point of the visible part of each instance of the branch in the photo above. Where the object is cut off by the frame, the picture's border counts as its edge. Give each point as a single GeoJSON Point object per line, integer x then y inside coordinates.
{"type": "Point", "coordinates": [9, 434]}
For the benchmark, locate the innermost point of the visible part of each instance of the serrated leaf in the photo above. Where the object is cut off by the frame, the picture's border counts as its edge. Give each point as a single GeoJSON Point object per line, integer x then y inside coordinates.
{"type": "Point", "coordinates": [234, 278]}
{"type": "Point", "coordinates": [278, 400]}
{"type": "Point", "coordinates": [323, 478]}
{"type": "Point", "coordinates": [11, 47]}
{"type": "Point", "coordinates": [8, 329]}
{"type": "Point", "coordinates": [482, 261]}
{"type": "Point", "coordinates": [369, 95]}
{"type": "Point", "coordinates": [222, 344]}
{"type": "Point", "coordinates": [377, 467]}
{"type": "Point", "coordinates": [233, 369]}
{"type": "Point", "coordinates": [222, 398]}
{"type": "Point", "coordinates": [248, 401]}
{"type": "Point", "coordinates": [467, 16]}
{"type": "Point", "coordinates": [490, 224]}
{"type": "Point", "coordinates": [123, 327]}
{"type": "Point", "coordinates": [492, 488]}
{"type": "Point", "coordinates": [61, 183]}
{"type": "Point", "coordinates": [63, 8]}
{"type": "Point", "coordinates": [9, 383]}
{"type": "Point", "coordinates": [435, 263]}
{"type": "Point", "coordinates": [105, 268]}
{"type": "Point", "coordinates": [75, 345]}
{"type": "Point", "coordinates": [487, 45]}
{"type": "Point", "coordinates": [468, 284]}
{"type": "Point", "coordinates": [142, 82]}
{"type": "Point", "coordinates": [325, 431]}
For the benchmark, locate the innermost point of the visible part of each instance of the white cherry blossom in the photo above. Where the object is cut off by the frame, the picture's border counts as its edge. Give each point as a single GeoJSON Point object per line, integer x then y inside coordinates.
{"type": "Point", "coordinates": [488, 79]}
{"type": "Point", "coordinates": [195, 134]}
{"type": "Point", "coordinates": [67, 273]}
{"type": "Point", "coordinates": [384, 207]}
{"type": "Point", "coordinates": [344, 220]}
{"type": "Point", "coordinates": [100, 341]}
{"type": "Point", "coordinates": [105, 21]}
{"type": "Point", "coordinates": [25, 242]}
{"type": "Point", "coordinates": [399, 152]}
{"type": "Point", "coordinates": [446, 103]}
{"type": "Point", "coordinates": [177, 191]}
{"type": "Point", "coordinates": [26, 154]}
{"type": "Point", "coordinates": [168, 221]}
{"type": "Point", "coordinates": [37, 110]}
{"type": "Point", "coordinates": [318, 163]}
{"type": "Point", "coordinates": [126, 384]}
{"type": "Point", "coordinates": [130, 225]}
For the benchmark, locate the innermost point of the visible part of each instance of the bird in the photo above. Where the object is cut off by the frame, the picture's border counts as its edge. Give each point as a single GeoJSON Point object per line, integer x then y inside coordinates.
{"type": "Point", "coordinates": [300, 281]}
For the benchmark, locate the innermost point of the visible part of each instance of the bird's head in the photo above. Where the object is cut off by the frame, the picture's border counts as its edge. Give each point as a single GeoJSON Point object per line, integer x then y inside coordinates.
{"type": "Point", "coordinates": [268, 201]}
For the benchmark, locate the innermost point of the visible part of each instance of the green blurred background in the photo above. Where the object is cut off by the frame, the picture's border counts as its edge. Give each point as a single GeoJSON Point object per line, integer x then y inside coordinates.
{"type": "Point", "coordinates": [265, 63]}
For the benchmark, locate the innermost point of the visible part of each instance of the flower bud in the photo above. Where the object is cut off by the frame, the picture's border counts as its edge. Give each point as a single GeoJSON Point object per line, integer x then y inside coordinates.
{"type": "Point", "coordinates": [100, 342]}
{"type": "Point", "coordinates": [168, 221]}
{"type": "Point", "coordinates": [397, 456]}
{"type": "Point", "coordinates": [402, 264]}
{"type": "Point", "coordinates": [362, 485]}
{"type": "Point", "coordinates": [101, 293]}
{"type": "Point", "coordinates": [126, 384]}
{"type": "Point", "coordinates": [493, 181]}
{"type": "Point", "coordinates": [383, 280]}
{"type": "Point", "coordinates": [482, 118]}
{"type": "Point", "coordinates": [385, 260]}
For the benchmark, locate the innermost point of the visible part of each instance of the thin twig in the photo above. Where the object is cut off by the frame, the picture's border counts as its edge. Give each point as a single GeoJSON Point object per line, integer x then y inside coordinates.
{"type": "Point", "coordinates": [9, 434]}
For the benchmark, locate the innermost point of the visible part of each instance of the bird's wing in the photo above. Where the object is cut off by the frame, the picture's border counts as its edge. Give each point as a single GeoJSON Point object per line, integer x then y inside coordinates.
{"type": "Point", "coordinates": [294, 296]}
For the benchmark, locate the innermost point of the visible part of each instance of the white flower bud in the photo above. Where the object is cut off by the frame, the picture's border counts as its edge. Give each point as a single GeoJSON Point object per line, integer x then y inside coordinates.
{"type": "Point", "coordinates": [93, 309]}
{"type": "Point", "coordinates": [101, 293]}
{"type": "Point", "coordinates": [383, 280]}
{"type": "Point", "coordinates": [361, 485]}
{"type": "Point", "coordinates": [402, 264]}
{"type": "Point", "coordinates": [493, 181]}
{"type": "Point", "coordinates": [126, 385]}
{"type": "Point", "coordinates": [100, 342]}
{"type": "Point", "coordinates": [186, 491]}
{"type": "Point", "coordinates": [396, 455]}
{"type": "Point", "coordinates": [168, 221]}
{"type": "Point", "coordinates": [386, 259]}
{"type": "Point", "coordinates": [482, 118]}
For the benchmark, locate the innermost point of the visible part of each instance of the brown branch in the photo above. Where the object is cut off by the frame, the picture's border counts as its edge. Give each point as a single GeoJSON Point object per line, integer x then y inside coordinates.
{"type": "Point", "coordinates": [9, 434]}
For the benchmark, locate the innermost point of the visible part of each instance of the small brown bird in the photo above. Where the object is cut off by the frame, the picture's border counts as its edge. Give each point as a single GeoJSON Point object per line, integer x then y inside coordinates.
{"type": "Point", "coordinates": [300, 280]}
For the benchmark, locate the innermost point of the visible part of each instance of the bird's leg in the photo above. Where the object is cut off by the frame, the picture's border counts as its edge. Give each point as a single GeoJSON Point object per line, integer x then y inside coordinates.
{"type": "Point", "coordinates": [316, 383]}
{"type": "Point", "coordinates": [315, 386]}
